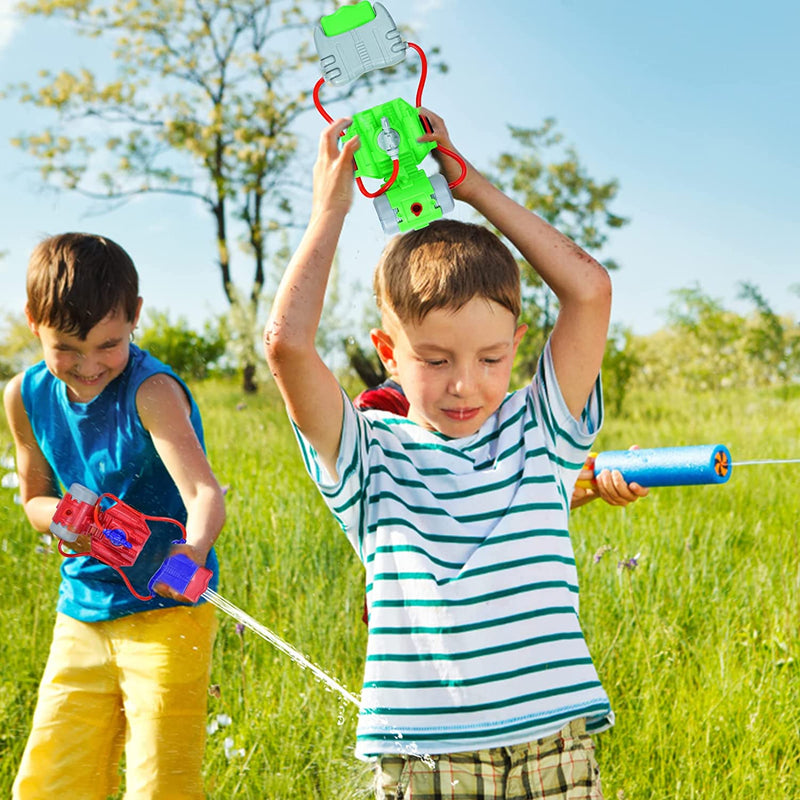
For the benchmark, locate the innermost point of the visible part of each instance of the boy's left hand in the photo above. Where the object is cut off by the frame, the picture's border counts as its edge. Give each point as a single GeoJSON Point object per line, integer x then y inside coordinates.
{"type": "Point", "coordinates": [608, 485]}
{"type": "Point", "coordinates": [196, 555]}
{"type": "Point", "coordinates": [449, 167]}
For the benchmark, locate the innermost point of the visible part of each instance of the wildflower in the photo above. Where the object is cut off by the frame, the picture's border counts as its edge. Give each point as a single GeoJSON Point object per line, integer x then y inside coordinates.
{"type": "Point", "coordinates": [629, 563]}
{"type": "Point", "coordinates": [220, 721]}
{"type": "Point", "coordinates": [230, 750]}
{"type": "Point", "coordinates": [606, 548]}
{"type": "Point", "coordinates": [10, 480]}
{"type": "Point", "coordinates": [240, 629]}
{"type": "Point", "coordinates": [241, 406]}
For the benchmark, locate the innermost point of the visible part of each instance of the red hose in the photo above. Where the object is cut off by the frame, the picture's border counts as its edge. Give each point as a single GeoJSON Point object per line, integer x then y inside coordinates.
{"type": "Point", "coordinates": [386, 186]}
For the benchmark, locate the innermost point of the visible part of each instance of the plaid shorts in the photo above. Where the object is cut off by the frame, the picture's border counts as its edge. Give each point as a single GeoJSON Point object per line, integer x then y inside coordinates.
{"type": "Point", "coordinates": [558, 767]}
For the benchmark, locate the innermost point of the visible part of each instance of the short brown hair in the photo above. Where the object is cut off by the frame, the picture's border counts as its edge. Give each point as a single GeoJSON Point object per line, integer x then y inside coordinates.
{"type": "Point", "coordinates": [75, 280]}
{"type": "Point", "coordinates": [445, 265]}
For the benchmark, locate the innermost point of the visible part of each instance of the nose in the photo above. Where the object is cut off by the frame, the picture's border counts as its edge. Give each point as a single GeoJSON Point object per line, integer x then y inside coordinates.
{"type": "Point", "coordinates": [87, 364]}
{"type": "Point", "coordinates": [461, 381]}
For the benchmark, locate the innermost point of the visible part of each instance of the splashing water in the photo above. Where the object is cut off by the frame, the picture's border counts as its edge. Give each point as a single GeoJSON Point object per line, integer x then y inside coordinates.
{"type": "Point", "coordinates": [766, 461]}
{"type": "Point", "coordinates": [275, 640]}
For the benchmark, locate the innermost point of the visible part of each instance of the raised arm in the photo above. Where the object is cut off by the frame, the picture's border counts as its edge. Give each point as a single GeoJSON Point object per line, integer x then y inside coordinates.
{"type": "Point", "coordinates": [309, 389]}
{"type": "Point", "coordinates": [580, 283]}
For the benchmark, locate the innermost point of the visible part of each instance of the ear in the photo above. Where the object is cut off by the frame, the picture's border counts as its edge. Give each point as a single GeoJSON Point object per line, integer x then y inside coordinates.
{"type": "Point", "coordinates": [31, 322]}
{"type": "Point", "coordinates": [384, 346]}
{"type": "Point", "coordinates": [518, 334]}
{"type": "Point", "coordinates": [138, 311]}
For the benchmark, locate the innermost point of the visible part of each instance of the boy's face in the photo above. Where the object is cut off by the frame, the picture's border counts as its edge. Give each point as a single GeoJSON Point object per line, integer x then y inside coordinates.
{"type": "Point", "coordinates": [88, 365]}
{"type": "Point", "coordinates": [454, 366]}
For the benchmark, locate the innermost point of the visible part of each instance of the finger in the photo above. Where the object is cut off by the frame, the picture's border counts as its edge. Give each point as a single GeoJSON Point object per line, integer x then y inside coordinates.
{"type": "Point", "coordinates": [436, 122]}
{"type": "Point", "coordinates": [586, 474]}
{"type": "Point", "coordinates": [350, 146]}
{"type": "Point", "coordinates": [329, 138]}
{"type": "Point", "coordinates": [609, 487]}
{"type": "Point", "coordinates": [165, 590]}
{"type": "Point", "coordinates": [433, 125]}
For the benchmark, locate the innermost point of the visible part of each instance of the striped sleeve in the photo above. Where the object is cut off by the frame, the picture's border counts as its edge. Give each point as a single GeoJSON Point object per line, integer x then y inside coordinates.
{"type": "Point", "coordinates": [570, 439]}
{"type": "Point", "coordinates": [344, 495]}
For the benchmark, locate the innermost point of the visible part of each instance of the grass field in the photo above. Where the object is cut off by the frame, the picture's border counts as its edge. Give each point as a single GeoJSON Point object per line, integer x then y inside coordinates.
{"type": "Point", "coordinates": [697, 645]}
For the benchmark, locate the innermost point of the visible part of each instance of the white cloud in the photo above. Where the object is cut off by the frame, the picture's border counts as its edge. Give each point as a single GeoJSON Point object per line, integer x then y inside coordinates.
{"type": "Point", "coordinates": [9, 21]}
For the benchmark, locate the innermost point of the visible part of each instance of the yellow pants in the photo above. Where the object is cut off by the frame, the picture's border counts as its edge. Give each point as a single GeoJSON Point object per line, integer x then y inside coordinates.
{"type": "Point", "coordinates": [140, 681]}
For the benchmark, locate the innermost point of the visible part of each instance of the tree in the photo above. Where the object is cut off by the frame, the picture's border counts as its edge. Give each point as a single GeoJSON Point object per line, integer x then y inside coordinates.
{"type": "Point", "coordinates": [706, 346]}
{"type": "Point", "coordinates": [203, 106]}
{"type": "Point", "coordinates": [562, 192]}
{"type": "Point", "coordinates": [768, 340]}
{"type": "Point", "coordinates": [190, 354]}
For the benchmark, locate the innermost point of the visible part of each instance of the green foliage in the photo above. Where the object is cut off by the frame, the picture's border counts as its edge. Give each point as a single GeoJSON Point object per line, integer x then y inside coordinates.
{"type": "Point", "coordinates": [706, 346]}
{"type": "Point", "coordinates": [620, 364]}
{"type": "Point", "coordinates": [19, 348]}
{"type": "Point", "coordinates": [190, 354]}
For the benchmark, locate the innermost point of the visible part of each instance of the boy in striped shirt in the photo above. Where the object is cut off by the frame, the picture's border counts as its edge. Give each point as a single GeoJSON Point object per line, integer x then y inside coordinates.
{"type": "Point", "coordinates": [478, 682]}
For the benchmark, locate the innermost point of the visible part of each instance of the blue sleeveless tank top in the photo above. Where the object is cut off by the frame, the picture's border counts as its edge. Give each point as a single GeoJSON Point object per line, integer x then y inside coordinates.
{"type": "Point", "coordinates": [103, 446]}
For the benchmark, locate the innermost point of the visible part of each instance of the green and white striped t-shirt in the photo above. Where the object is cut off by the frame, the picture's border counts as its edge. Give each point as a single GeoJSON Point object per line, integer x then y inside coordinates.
{"type": "Point", "coordinates": [474, 637]}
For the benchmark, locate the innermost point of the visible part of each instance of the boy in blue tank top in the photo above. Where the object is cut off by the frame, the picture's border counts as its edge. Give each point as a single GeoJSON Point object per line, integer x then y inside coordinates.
{"type": "Point", "coordinates": [478, 682]}
{"type": "Point", "coordinates": [100, 412]}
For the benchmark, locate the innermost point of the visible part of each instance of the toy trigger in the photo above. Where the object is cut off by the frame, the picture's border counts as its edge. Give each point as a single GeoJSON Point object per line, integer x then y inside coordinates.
{"type": "Point", "coordinates": [590, 484]}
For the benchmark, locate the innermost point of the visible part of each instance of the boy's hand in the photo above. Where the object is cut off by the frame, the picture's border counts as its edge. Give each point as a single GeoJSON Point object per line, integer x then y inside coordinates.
{"type": "Point", "coordinates": [448, 166]}
{"type": "Point", "coordinates": [197, 555]}
{"type": "Point", "coordinates": [333, 170]}
{"type": "Point", "coordinates": [608, 485]}
{"type": "Point", "coordinates": [83, 544]}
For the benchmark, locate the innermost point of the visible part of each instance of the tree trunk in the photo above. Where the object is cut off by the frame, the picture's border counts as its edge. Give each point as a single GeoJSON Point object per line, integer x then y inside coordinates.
{"type": "Point", "coordinates": [249, 385]}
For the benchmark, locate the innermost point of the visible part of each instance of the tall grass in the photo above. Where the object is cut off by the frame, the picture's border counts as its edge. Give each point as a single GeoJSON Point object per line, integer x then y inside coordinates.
{"type": "Point", "coordinates": [697, 644]}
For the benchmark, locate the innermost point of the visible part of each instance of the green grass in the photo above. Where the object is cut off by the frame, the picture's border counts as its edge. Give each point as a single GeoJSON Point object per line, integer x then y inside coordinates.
{"type": "Point", "coordinates": [697, 646]}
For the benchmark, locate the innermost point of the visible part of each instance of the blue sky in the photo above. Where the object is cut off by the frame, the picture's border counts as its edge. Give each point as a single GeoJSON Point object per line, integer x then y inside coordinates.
{"type": "Point", "coordinates": [692, 106]}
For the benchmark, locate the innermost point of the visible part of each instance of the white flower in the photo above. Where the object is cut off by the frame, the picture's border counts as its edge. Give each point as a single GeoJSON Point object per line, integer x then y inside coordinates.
{"type": "Point", "coordinates": [10, 480]}
{"type": "Point", "coordinates": [230, 750]}
{"type": "Point", "coordinates": [220, 721]}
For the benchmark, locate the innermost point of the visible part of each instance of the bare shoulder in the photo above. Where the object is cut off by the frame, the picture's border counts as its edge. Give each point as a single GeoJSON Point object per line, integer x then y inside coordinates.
{"type": "Point", "coordinates": [12, 398]}
{"type": "Point", "coordinates": [161, 397]}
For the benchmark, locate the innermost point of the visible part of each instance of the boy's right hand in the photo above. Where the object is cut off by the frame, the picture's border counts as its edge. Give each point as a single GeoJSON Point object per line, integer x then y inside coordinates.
{"type": "Point", "coordinates": [333, 170]}
{"type": "Point", "coordinates": [83, 544]}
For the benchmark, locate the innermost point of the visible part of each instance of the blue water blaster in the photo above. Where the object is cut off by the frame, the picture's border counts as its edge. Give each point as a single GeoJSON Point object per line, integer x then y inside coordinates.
{"type": "Point", "coordinates": [667, 466]}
